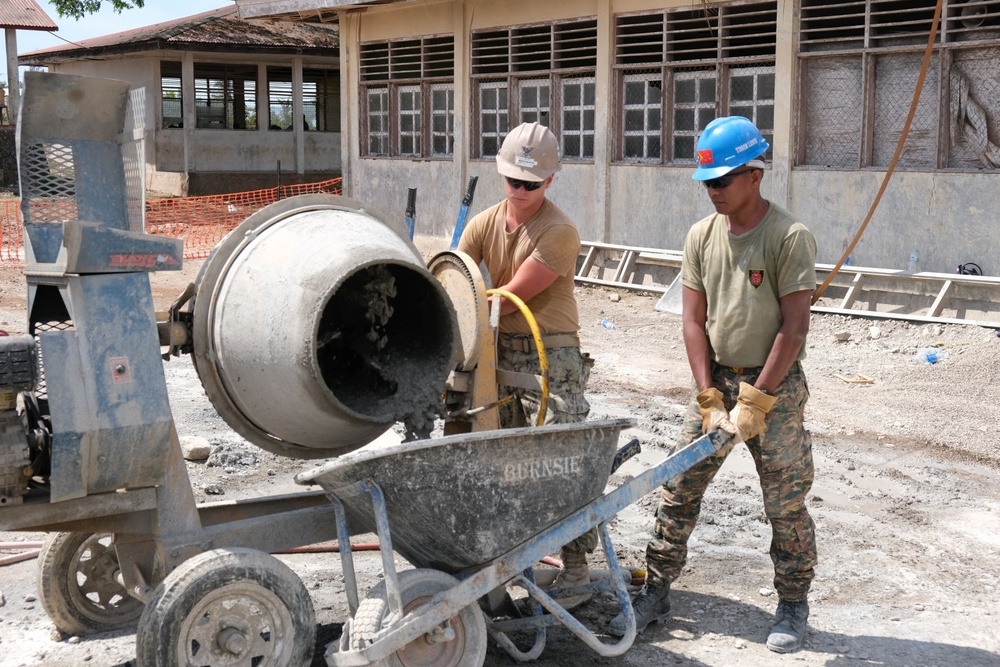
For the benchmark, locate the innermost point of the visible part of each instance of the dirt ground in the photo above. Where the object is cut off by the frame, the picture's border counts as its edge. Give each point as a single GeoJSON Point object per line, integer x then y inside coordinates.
{"type": "Point", "coordinates": [906, 502]}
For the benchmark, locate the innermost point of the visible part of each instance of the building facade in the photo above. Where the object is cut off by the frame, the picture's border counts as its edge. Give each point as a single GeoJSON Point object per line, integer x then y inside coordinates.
{"type": "Point", "coordinates": [431, 87]}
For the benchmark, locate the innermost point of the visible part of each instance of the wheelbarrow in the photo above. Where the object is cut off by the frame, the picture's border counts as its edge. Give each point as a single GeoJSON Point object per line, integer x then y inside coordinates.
{"type": "Point", "coordinates": [473, 513]}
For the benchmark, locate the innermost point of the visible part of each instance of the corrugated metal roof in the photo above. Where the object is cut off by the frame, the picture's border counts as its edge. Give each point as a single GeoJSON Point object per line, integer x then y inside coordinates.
{"type": "Point", "coordinates": [209, 31]}
{"type": "Point", "coordinates": [24, 15]}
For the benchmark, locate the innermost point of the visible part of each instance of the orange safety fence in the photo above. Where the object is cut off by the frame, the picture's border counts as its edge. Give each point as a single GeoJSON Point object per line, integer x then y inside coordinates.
{"type": "Point", "coordinates": [200, 221]}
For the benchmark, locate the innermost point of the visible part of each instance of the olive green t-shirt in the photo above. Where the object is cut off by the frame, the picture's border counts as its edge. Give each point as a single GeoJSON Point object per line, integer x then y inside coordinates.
{"type": "Point", "coordinates": [743, 278]}
{"type": "Point", "coordinates": [552, 239]}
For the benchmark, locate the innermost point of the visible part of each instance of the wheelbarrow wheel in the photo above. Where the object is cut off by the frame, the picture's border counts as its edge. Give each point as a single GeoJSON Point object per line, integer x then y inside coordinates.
{"type": "Point", "coordinates": [228, 607]}
{"type": "Point", "coordinates": [78, 584]}
{"type": "Point", "coordinates": [458, 642]}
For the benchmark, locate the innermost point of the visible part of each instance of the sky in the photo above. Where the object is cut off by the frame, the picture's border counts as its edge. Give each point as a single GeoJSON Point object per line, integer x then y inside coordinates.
{"type": "Point", "coordinates": [105, 22]}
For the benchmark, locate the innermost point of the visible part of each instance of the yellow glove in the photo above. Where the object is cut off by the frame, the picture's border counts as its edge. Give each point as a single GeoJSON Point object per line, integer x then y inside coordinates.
{"type": "Point", "coordinates": [713, 412]}
{"type": "Point", "coordinates": [752, 405]}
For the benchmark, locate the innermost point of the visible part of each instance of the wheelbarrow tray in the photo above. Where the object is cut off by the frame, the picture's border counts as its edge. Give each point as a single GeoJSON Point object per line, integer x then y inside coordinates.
{"type": "Point", "coordinates": [461, 501]}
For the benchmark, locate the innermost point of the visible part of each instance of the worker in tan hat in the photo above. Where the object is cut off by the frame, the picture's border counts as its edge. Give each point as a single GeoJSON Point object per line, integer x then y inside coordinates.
{"type": "Point", "coordinates": [530, 248]}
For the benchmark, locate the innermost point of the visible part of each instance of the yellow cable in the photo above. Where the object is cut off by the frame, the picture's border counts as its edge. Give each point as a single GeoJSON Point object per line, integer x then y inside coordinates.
{"type": "Point", "coordinates": [543, 359]}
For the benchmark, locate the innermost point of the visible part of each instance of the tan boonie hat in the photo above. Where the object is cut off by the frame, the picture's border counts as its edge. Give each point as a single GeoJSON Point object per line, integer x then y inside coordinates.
{"type": "Point", "coordinates": [529, 153]}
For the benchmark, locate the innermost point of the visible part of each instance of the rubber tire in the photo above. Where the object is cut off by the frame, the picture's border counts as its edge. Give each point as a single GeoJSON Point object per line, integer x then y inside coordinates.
{"type": "Point", "coordinates": [201, 585]}
{"type": "Point", "coordinates": [416, 588]}
{"type": "Point", "coordinates": [68, 605]}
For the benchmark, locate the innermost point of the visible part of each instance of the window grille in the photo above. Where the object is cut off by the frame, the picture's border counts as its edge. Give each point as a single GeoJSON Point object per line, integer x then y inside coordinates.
{"type": "Point", "coordinates": [493, 116]}
{"type": "Point", "coordinates": [442, 119]}
{"type": "Point", "coordinates": [643, 117]}
{"type": "Point", "coordinates": [321, 99]}
{"type": "Point", "coordinates": [409, 88]}
{"type": "Point", "coordinates": [409, 120]}
{"type": "Point", "coordinates": [535, 101]}
{"type": "Point", "coordinates": [832, 99]}
{"type": "Point", "coordinates": [515, 71]}
{"type": "Point", "coordinates": [677, 70]}
{"type": "Point", "coordinates": [694, 108]}
{"type": "Point", "coordinates": [171, 95]}
{"type": "Point", "coordinates": [378, 120]}
{"type": "Point", "coordinates": [859, 62]}
{"type": "Point", "coordinates": [225, 96]}
{"type": "Point", "coordinates": [578, 102]}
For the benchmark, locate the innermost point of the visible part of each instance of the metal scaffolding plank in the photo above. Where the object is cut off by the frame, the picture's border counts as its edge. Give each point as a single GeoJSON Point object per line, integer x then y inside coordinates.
{"type": "Point", "coordinates": [622, 262]}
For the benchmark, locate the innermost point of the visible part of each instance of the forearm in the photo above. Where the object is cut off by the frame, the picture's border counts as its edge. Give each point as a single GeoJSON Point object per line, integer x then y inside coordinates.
{"type": "Point", "coordinates": [699, 358]}
{"type": "Point", "coordinates": [795, 309]}
{"type": "Point", "coordinates": [784, 352]}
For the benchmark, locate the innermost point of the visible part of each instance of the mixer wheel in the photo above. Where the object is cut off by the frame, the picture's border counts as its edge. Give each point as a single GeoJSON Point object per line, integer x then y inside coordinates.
{"type": "Point", "coordinates": [458, 642]}
{"type": "Point", "coordinates": [228, 607]}
{"type": "Point", "coordinates": [78, 584]}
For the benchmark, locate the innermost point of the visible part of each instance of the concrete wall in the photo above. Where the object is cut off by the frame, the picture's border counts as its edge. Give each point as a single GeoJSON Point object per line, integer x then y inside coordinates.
{"type": "Point", "coordinates": [246, 150]}
{"type": "Point", "coordinates": [950, 218]}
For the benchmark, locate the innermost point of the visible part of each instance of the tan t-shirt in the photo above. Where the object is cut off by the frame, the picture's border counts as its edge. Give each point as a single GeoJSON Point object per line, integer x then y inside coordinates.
{"type": "Point", "coordinates": [743, 277]}
{"type": "Point", "coordinates": [552, 239]}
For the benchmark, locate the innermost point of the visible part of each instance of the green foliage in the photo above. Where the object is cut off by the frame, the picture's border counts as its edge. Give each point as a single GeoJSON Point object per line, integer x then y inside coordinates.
{"type": "Point", "coordinates": [77, 9]}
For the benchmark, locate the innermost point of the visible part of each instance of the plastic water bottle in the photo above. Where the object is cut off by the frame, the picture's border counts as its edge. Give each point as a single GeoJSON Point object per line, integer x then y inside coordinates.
{"type": "Point", "coordinates": [607, 324]}
{"type": "Point", "coordinates": [912, 266]}
{"type": "Point", "coordinates": [929, 355]}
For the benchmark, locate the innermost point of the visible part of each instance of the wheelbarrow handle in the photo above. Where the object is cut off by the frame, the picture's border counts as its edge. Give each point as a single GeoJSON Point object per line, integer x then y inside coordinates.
{"type": "Point", "coordinates": [625, 453]}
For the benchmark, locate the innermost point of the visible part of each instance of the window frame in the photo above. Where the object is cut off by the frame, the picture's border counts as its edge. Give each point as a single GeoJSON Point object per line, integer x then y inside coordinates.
{"type": "Point", "coordinates": [538, 57]}
{"type": "Point", "coordinates": [320, 92]}
{"type": "Point", "coordinates": [864, 35]}
{"type": "Point", "coordinates": [417, 67]}
{"type": "Point", "coordinates": [667, 47]}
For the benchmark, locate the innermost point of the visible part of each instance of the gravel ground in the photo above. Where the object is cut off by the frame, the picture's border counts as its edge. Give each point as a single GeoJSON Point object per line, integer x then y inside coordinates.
{"type": "Point", "coordinates": [906, 502]}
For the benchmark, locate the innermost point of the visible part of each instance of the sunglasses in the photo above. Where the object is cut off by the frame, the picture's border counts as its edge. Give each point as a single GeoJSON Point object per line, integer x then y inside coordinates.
{"type": "Point", "coordinates": [724, 181]}
{"type": "Point", "coordinates": [529, 186]}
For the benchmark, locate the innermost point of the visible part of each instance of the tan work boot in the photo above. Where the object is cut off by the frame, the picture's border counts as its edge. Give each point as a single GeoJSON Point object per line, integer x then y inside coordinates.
{"type": "Point", "coordinates": [575, 572]}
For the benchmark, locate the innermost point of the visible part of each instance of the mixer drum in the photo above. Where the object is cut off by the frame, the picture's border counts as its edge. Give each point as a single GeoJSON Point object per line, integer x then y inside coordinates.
{"type": "Point", "coordinates": [317, 326]}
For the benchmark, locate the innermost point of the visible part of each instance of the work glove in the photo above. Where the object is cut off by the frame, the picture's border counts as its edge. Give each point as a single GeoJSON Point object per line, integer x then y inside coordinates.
{"type": "Point", "coordinates": [752, 406]}
{"type": "Point", "coordinates": [713, 412]}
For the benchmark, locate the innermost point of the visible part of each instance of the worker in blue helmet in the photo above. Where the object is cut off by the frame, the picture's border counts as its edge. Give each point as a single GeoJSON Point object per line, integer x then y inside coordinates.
{"type": "Point", "coordinates": [748, 273]}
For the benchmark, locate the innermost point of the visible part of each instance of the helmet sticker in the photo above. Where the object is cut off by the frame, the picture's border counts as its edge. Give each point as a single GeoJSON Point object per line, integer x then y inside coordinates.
{"type": "Point", "coordinates": [705, 156]}
{"type": "Point", "coordinates": [750, 144]}
{"type": "Point", "coordinates": [525, 159]}
{"type": "Point", "coordinates": [756, 277]}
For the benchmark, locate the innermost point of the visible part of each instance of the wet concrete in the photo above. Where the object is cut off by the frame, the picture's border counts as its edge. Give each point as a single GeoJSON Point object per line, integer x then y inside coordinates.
{"type": "Point", "coordinates": [382, 349]}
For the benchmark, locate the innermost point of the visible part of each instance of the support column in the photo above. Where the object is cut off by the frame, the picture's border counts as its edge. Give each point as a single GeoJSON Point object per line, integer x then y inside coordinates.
{"type": "Point", "coordinates": [785, 101]}
{"type": "Point", "coordinates": [189, 114]}
{"type": "Point", "coordinates": [298, 117]}
{"type": "Point", "coordinates": [602, 117]}
{"type": "Point", "coordinates": [13, 85]}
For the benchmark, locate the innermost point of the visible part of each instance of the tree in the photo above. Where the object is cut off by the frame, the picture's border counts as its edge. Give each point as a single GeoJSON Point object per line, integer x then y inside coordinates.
{"type": "Point", "coordinates": [77, 9]}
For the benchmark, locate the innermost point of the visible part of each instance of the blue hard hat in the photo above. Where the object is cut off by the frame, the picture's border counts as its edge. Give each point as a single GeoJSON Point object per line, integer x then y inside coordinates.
{"type": "Point", "coordinates": [727, 143]}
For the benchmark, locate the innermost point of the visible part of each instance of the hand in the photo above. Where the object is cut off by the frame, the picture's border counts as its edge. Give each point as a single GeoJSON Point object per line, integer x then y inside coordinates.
{"type": "Point", "coordinates": [752, 405]}
{"type": "Point", "coordinates": [713, 412]}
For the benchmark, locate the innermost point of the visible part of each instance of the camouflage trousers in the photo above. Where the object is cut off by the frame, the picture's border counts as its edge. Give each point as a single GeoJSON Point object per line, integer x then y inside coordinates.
{"type": "Point", "coordinates": [783, 458]}
{"type": "Point", "coordinates": [569, 371]}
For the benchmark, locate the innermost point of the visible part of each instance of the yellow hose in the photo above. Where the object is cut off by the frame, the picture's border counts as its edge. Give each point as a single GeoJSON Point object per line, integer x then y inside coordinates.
{"type": "Point", "coordinates": [543, 359]}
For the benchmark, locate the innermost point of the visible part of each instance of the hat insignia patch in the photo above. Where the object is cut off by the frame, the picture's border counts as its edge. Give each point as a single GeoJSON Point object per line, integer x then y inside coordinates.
{"type": "Point", "coordinates": [525, 159]}
{"type": "Point", "coordinates": [705, 156]}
